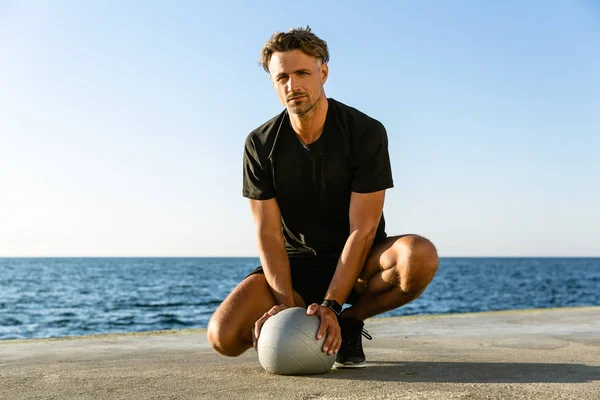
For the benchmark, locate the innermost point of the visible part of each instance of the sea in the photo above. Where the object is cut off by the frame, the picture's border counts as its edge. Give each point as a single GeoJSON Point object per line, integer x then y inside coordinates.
{"type": "Point", "coordinates": [58, 297]}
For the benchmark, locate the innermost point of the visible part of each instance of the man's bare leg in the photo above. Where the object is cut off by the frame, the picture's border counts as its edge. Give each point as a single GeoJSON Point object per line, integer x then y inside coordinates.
{"type": "Point", "coordinates": [230, 327]}
{"type": "Point", "coordinates": [396, 272]}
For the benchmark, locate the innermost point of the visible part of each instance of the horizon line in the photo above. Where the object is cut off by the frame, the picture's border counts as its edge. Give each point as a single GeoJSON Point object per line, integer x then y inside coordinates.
{"type": "Point", "coordinates": [147, 256]}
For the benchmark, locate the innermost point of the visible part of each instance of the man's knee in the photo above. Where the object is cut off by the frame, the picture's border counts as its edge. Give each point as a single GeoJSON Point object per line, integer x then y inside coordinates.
{"type": "Point", "coordinates": [223, 340]}
{"type": "Point", "coordinates": [417, 262]}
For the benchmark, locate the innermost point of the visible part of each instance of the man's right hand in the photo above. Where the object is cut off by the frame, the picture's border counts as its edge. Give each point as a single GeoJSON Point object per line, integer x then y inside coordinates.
{"type": "Point", "coordinates": [259, 323]}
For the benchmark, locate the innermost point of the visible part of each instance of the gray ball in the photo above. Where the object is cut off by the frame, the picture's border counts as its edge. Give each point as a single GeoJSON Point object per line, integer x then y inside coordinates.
{"type": "Point", "coordinates": [288, 344]}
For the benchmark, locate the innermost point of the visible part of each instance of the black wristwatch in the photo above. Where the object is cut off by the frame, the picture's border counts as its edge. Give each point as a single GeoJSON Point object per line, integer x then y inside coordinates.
{"type": "Point", "coordinates": [333, 306]}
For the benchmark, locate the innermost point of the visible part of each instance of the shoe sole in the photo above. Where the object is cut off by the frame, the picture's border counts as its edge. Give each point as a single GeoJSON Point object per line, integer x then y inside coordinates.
{"type": "Point", "coordinates": [338, 365]}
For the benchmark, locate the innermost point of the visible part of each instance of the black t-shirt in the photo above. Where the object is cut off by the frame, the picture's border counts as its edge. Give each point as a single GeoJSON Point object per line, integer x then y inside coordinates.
{"type": "Point", "coordinates": [312, 183]}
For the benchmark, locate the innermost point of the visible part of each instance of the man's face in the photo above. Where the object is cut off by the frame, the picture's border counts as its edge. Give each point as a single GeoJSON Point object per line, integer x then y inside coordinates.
{"type": "Point", "coordinates": [298, 79]}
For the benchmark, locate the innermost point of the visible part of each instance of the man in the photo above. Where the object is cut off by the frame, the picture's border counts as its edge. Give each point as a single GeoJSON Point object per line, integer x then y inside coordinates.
{"type": "Point", "coordinates": [315, 176]}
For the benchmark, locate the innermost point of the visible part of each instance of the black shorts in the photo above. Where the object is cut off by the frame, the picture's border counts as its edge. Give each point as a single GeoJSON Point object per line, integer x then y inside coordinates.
{"type": "Point", "coordinates": [311, 279]}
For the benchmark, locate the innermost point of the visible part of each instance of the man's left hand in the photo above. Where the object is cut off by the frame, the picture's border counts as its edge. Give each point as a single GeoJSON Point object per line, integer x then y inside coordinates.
{"type": "Point", "coordinates": [329, 325]}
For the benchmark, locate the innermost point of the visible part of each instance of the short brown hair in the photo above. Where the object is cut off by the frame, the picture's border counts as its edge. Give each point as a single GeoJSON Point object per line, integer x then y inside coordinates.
{"type": "Point", "coordinates": [296, 38]}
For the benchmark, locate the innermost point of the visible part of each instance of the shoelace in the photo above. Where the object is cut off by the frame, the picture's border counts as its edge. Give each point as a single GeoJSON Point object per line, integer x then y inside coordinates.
{"type": "Point", "coordinates": [355, 344]}
{"type": "Point", "coordinates": [365, 333]}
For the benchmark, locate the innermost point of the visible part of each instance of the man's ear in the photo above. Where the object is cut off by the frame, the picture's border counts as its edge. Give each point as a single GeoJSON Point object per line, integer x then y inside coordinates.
{"type": "Point", "coordinates": [324, 73]}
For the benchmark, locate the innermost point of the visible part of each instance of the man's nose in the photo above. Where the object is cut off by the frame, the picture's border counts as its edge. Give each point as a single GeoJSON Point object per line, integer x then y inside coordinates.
{"type": "Point", "coordinates": [291, 84]}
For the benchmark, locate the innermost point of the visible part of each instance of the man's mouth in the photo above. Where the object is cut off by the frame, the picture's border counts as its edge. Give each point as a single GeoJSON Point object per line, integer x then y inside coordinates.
{"type": "Point", "coordinates": [296, 97]}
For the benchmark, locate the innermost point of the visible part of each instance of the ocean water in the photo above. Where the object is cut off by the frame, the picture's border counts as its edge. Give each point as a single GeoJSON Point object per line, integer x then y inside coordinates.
{"type": "Point", "coordinates": [55, 297]}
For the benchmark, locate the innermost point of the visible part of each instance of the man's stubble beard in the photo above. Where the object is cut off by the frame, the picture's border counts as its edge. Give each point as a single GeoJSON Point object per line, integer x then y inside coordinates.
{"type": "Point", "coordinates": [303, 110]}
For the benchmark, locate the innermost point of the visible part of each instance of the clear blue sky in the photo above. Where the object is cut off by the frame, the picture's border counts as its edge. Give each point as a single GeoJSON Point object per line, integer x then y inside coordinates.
{"type": "Point", "coordinates": [122, 123]}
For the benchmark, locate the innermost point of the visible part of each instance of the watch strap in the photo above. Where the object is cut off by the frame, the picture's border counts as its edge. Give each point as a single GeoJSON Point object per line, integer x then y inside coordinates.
{"type": "Point", "coordinates": [333, 306]}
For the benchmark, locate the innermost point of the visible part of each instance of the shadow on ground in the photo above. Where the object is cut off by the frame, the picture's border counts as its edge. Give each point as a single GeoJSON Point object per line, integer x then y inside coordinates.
{"type": "Point", "coordinates": [468, 372]}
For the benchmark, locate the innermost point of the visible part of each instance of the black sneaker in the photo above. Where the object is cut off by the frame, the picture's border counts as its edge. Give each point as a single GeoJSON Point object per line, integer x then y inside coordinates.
{"type": "Point", "coordinates": [351, 353]}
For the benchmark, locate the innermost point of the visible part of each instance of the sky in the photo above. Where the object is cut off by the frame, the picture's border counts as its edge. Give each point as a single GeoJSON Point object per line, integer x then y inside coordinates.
{"type": "Point", "coordinates": [122, 124]}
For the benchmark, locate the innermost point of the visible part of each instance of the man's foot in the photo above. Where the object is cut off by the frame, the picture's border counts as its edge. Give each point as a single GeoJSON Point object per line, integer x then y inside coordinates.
{"type": "Point", "coordinates": [351, 353]}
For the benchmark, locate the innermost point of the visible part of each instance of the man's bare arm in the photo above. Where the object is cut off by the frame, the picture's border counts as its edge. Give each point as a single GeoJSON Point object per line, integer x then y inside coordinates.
{"type": "Point", "coordinates": [365, 214]}
{"type": "Point", "coordinates": [271, 248]}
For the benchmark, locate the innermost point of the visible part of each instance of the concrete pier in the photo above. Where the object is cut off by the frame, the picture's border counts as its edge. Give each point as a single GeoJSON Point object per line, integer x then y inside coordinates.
{"type": "Point", "coordinates": [529, 354]}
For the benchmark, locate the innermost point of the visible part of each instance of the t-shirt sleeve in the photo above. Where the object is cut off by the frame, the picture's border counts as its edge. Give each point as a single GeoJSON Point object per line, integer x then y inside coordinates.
{"type": "Point", "coordinates": [257, 183]}
{"type": "Point", "coordinates": [372, 168]}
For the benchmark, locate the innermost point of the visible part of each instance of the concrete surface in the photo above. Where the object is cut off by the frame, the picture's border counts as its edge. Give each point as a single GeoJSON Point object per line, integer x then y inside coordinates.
{"type": "Point", "coordinates": [531, 354]}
